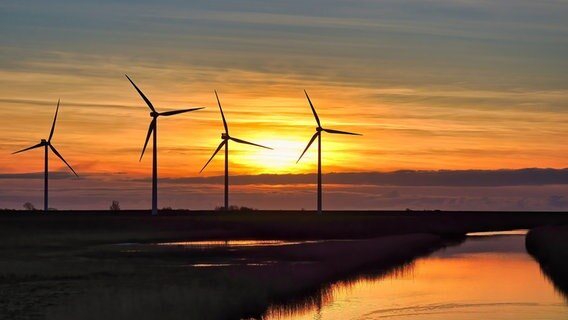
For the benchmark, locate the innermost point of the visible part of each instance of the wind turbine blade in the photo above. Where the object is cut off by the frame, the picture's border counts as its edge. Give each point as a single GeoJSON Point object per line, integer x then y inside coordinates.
{"type": "Point", "coordinates": [53, 124]}
{"type": "Point", "coordinates": [32, 147]}
{"type": "Point", "coordinates": [60, 157]}
{"type": "Point", "coordinates": [246, 142]}
{"type": "Point", "coordinates": [171, 113]}
{"type": "Point", "coordinates": [341, 132]}
{"type": "Point", "coordinates": [214, 153]}
{"type": "Point", "coordinates": [222, 115]}
{"type": "Point", "coordinates": [141, 94]}
{"type": "Point", "coordinates": [150, 130]}
{"type": "Point", "coordinates": [313, 109]}
{"type": "Point", "coordinates": [309, 144]}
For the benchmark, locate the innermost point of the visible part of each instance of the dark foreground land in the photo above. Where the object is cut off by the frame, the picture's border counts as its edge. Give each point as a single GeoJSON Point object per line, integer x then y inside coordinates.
{"type": "Point", "coordinates": [549, 245]}
{"type": "Point", "coordinates": [79, 265]}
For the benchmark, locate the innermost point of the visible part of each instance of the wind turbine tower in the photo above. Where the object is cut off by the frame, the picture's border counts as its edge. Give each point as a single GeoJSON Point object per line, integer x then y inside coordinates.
{"type": "Point", "coordinates": [225, 137]}
{"type": "Point", "coordinates": [317, 135]}
{"type": "Point", "coordinates": [47, 145]}
{"type": "Point", "coordinates": [153, 131]}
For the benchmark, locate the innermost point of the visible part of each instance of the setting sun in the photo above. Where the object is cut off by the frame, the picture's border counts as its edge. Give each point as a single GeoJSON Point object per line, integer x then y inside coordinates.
{"type": "Point", "coordinates": [280, 160]}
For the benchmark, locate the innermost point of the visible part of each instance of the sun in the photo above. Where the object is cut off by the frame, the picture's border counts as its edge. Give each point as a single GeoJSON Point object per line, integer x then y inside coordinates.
{"type": "Point", "coordinates": [282, 159]}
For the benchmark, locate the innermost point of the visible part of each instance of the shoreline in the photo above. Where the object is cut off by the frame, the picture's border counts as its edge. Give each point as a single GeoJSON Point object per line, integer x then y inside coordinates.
{"type": "Point", "coordinates": [548, 245]}
{"type": "Point", "coordinates": [302, 270]}
{"type": "Point", "coordinates": [103, 227]}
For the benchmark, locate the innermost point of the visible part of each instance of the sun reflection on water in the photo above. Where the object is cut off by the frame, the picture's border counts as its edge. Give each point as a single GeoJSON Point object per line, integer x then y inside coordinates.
{"type": "Point", "coordinates": [484, 278]}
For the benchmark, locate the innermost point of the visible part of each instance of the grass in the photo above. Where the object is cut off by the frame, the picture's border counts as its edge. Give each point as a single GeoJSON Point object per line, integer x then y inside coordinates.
{"type": "Point", "coordinates": [175, 292]}
{"type": "Point", "coordinates": [65, 265]}
{"type": "Point", "coordinates": [549, 246]}
{"type": "Point", "coordinates": [91, 227]}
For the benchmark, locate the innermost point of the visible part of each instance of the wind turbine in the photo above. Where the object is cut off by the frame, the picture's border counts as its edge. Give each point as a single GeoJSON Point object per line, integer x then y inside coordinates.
{"type": "Point", "coordinates": [319, 129]}
{"type": "Point", "coordinates": [226, 137]}
{"type": "Point", "coordinates": [153, 129]}
{"type": "Point", "coordinates": [47, 144]}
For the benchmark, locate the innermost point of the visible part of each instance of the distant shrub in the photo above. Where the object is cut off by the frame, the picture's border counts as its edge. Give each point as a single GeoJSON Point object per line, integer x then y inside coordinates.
{"type": "Point", "coordinates": [166, 209]}
{"type": "Point", "coordinates": [114, 206]}
{"type": "Point", "coordinates": [29, 206]}
{"type": "Point", "coordinates": [235, 208]}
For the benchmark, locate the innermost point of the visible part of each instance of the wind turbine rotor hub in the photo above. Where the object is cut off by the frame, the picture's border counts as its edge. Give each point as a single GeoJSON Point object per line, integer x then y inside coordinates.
{"type": "Point", "coordinates": [154, 114]}
{"type": "Point", "coordinates": [224, 136]}
{"type": "Point", "coordinates": [318, 129]}
{"type": "Point", "coordinates": [43, 141]}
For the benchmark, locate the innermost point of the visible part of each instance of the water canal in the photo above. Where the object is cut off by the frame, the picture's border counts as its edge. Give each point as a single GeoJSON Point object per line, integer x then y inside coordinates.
{"type": "Point", "coordinates": [489, 276]}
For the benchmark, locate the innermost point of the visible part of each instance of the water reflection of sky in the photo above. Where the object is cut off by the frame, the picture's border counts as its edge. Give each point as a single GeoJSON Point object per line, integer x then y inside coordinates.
{"type": "Point", "coordinates": [232, 243]}
{"type": "Point", "coordinates": [514, 244]}
{"type": "Point", "coordinates": [483, 278]}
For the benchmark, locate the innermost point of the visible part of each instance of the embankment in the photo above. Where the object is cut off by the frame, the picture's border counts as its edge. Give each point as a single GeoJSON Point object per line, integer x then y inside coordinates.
{"type": "Point", "coordinates": [549, 246]}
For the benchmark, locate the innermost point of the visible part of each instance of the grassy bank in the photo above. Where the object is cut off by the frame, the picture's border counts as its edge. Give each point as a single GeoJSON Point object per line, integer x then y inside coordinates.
{"type": "Point", "coordinates": [82, 228]}
{"type": "Point", "coordinates": [239, 291]}
{"type": "Point", "coordinates": [154, 282]}
{"type": "Point", "coordinates": [549, 246]}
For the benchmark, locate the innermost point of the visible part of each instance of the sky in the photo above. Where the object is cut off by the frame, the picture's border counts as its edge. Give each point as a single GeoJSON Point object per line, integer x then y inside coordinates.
{"type": "Point", "coordinates": [470, 87]}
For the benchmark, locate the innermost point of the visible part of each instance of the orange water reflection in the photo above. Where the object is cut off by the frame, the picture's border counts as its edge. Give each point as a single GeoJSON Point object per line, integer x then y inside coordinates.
{"type": "Point", "coordinates": [484, 278]}
{"type": "Point", "coordinates": [233, 243]}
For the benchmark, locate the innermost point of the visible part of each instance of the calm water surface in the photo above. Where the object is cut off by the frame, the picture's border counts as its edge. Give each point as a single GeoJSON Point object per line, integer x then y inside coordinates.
{"type": "Point", "coordinates": [486, 277]}
{"type": "Point", "coordinates": [233, 243]}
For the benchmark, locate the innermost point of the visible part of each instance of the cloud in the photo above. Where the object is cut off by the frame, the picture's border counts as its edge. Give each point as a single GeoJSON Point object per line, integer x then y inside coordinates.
{"type": "Point", "coordinates": [38, 175]}
{"type": "Point", "coordinates": [558, 201]}
{"type": "Point", "coordinates": [458, 178]}
{"type": "Point", "coordinates": [96, 191]}
{"type": "Point", "coordinates": [78, 104]}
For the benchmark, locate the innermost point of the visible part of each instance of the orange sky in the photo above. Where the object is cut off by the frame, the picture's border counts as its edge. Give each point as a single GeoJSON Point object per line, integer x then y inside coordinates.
{"type": "Point", "coordinates": [106, 134]}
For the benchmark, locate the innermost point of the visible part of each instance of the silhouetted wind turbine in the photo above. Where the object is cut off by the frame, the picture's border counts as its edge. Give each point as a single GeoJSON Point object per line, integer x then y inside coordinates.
{"type": "Point", "coordinates": [47, 144]}
{"type": "Point", "coordinates": [319, 129]}
{"type": "Point", "coordinates": [153, 129]}
{"type": "Point", "coordinates": [226, 137]}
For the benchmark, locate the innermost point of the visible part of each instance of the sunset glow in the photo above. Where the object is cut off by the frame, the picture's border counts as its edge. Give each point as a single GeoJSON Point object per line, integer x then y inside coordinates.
{"type": "Point", "coordinates": [442, 93]}
{"type": "Point", "coordinates": [280, 160]}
